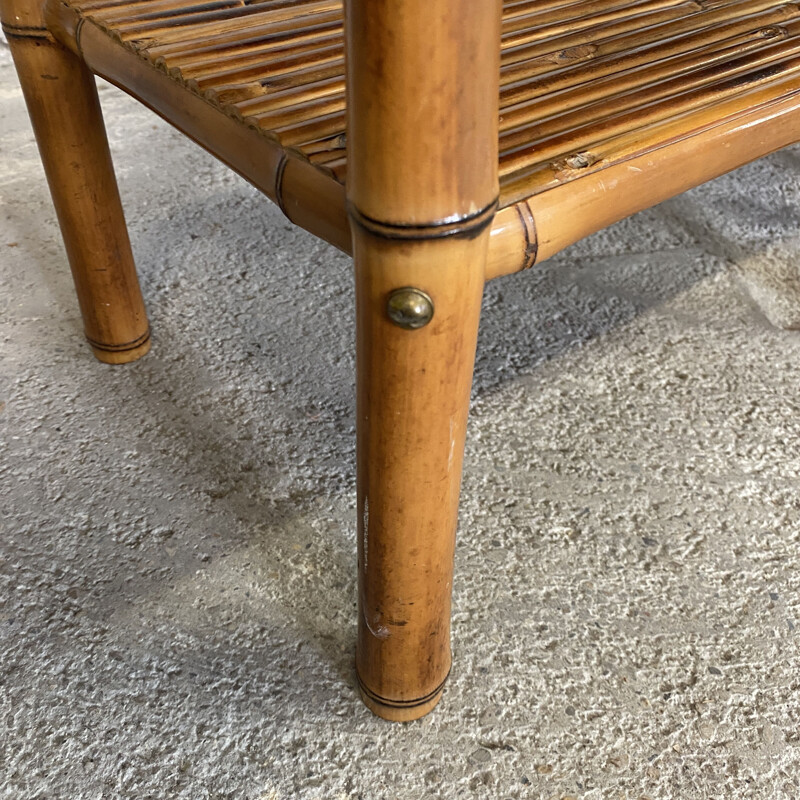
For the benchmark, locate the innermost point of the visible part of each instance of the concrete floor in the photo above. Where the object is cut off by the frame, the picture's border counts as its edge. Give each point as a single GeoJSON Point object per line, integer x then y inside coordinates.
{"type": "Point", "coordinates": [177, 548]}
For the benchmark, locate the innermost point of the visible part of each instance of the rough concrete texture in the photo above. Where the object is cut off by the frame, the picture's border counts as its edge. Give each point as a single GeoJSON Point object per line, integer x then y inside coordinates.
{"type": "Point", "coordinates": [178, 549]}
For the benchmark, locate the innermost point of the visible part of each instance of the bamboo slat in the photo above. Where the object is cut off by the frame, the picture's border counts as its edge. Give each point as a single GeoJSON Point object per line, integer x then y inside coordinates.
{"type": "Point", "coordinates": [584, 85]}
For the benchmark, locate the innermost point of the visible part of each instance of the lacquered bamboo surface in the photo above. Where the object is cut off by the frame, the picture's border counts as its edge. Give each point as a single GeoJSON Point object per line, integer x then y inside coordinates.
{"type": "Point", "coordinates": [435, 59]}
{"type": "Point", "coordinates": [584, 86]}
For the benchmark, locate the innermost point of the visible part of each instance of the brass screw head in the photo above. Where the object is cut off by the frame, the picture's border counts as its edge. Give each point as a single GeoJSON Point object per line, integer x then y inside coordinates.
{"type": "Point", "coordinates": [410, 308]}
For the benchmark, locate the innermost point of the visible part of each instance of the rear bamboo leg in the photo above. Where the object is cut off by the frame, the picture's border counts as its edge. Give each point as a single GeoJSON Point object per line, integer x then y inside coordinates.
{"type": "Point", "coordinates": [65, 113]}
{"type": "Point", "coordinates": [413, 398]}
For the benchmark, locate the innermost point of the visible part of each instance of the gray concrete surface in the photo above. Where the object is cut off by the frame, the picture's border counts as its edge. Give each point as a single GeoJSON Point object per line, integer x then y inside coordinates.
{"type": "Point", "coordinates": [177, 546]}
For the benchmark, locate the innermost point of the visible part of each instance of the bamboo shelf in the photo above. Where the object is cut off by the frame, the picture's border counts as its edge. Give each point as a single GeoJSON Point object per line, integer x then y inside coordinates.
{"type": "Point", "coordinates": [600, 93]}
{"type": "Point", "coordinates": [464, 141]}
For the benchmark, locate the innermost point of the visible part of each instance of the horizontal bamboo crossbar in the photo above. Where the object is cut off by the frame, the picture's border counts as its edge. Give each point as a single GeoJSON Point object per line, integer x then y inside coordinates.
{"type": "Point", "coordinates": [594, 95]}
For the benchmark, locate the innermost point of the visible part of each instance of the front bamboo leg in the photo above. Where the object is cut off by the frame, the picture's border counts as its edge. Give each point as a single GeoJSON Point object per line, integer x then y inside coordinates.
{"type": "Point", "coordinates": [413, 398]}
{"type": "Point", "coordinates": [65, 113]}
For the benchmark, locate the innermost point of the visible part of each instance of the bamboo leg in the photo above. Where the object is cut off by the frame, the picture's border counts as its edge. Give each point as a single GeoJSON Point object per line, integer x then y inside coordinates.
{"type": "Point", "coordinates": [422, 88]}
{"type": "Point", "coordinates": [413, 398]}
{"type": "Point", "coordinates": [65, 113]}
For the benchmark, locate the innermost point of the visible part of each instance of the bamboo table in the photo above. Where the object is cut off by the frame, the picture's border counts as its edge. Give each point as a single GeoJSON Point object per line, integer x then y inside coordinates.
{"type": "Point", "coordinates": [441, 142]}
